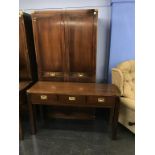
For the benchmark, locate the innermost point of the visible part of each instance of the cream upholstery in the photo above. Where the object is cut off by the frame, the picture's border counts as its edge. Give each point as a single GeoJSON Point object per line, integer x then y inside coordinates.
{"type": "Point", "coordinates": [123, 76]}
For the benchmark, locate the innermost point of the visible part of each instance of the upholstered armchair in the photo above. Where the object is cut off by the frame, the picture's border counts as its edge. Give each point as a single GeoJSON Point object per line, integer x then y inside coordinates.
{"type": "Point", "coordinates": [123, 76]}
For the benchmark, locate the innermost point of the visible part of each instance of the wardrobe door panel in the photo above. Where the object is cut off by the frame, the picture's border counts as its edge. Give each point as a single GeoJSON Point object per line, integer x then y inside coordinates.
{"type": "Point", "coordinates": [80, 28]}
{"type": "Point", "coordinates": [24, 64]}
{"type": "Point", "coordinates": [49, 42]}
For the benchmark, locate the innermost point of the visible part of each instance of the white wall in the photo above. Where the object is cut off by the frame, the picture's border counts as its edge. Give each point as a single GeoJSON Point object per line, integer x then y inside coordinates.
{"type": "Point", "coordinates": [104, 16]}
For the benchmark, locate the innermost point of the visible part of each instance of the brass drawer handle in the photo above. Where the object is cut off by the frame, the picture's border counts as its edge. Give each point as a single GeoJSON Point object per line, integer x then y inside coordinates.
{"type": "Point", "coordinates": [101, 100]}
{"type": "Point", "coordinates": [52, 74]}
{"type": "Point", "coordinates": [43, 97]}
{"type": "Point", "coordinates": [72, 98]}
{"type": "Point", "coordinates": [80, 74]}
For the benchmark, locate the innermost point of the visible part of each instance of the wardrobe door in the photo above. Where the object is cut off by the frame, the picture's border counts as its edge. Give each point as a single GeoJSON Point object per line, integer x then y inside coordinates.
{"type": "Point", "coordinates": [24, 63]}
{"type": "Point", "coordinates": [80, 31]}
{"type": "Point", "coordinates": [48, 28]}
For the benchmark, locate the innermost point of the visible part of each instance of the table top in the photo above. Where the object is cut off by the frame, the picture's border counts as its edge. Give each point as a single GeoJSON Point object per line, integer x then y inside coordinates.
{"type": "Point", "coordinates": [74, 88]}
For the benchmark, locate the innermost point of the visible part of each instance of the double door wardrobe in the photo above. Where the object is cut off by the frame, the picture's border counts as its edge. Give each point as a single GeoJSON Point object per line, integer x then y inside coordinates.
{"type": "Point", "coordinates": [65, 44]}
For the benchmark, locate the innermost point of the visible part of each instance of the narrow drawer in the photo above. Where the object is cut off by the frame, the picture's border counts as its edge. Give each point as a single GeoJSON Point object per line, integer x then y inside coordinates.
{"type": "Point", "coordinates": [43, 98]}
{"type": "Point", "coordinates": [69, 99]}
{"type": "Point", "coordinates": [101, 101]}
{"type": "Point", "coordinates": [80, 77]}
{"type": "Point", "coordinates": [53, 74]}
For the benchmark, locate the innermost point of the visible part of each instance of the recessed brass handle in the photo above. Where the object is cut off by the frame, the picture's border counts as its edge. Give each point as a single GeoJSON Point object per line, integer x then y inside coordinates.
{"type": "Point", "coordinates": [101, 100]}
{"type": "Point", "coordinates": [43, 97]}
{"type": "Point", "coordinates": [80, 74]}
{"type": "Point", "coordinates": [52, 74]}
{"type": "Point", "coordinates": [72, 98]}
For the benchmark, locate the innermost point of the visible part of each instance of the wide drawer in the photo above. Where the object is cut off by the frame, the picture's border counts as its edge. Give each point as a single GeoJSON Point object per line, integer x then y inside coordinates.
{"type": "Point", "coordinates": [71, 99]}
{"type": "Point", "coordinates": [101, 101]}
{"type": "Point", "coordinates": [43, 98]}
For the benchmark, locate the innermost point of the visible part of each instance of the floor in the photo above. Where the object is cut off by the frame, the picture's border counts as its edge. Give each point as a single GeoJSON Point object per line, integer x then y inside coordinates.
{"type": "Point", "coordinates": [68, 137]}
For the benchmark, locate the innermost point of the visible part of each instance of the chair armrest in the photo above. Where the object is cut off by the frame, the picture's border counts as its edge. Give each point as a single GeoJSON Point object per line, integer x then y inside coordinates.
{"type": "Point", "coordinates": [117, 79]}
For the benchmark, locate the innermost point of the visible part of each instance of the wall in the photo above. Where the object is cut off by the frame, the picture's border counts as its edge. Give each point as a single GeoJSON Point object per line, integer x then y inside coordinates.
{"type": "Point", "coordinates": [104, 9]}
{"type": "Point", "coordinates": [122, 44]}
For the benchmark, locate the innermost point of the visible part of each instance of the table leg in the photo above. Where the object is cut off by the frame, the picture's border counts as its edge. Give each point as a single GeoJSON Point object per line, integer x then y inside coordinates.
{"type": "Point", "coordinates": [111, 117]}
{"type": "Point", "coordinates": [115, 119]}
{"type": "Point", "coordinates": [32, 117]}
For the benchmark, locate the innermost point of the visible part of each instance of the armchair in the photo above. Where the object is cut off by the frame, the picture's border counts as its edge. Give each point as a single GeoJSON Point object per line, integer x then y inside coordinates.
{"type": "Point", "coordinates": [123, 76]}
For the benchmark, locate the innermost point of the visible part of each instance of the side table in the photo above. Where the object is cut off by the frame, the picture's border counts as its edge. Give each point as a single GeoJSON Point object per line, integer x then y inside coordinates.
{"type": "Point", "coordinates": [75, 95]}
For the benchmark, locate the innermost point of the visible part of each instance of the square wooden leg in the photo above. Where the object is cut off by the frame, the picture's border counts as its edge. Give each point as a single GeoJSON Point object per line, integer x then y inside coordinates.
{"type": "Point", "coordinates": [32, 112]}
{"type": "Point", "coordinates": [114, 121]}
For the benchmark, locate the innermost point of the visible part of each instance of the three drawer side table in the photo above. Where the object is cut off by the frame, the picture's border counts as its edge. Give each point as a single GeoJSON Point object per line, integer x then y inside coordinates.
{"type": "Point", "coordinates": [73, 94]}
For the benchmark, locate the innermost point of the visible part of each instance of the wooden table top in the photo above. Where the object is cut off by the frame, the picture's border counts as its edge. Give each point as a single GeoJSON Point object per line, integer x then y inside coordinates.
{"type": "Point", "coordinates": [24, 84]}
{"type": "Point", "coordinates": [73, 88]}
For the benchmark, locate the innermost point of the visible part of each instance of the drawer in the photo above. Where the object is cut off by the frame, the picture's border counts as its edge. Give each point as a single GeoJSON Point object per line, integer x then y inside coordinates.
{"type": "Point", "coordinates": [101, 101]}
{"type": "Point", "coordinates": [53, 74]}
{"type": "Point", "coordinates": [80, 77]}
{"type": "Point", "coordinates": [69, 99]}
{"type": "Point", "coordinates": [43, 98]}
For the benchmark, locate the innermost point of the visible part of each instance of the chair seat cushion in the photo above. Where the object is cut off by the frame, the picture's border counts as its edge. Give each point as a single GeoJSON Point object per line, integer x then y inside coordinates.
{"type": "Point", "coordinates": [128, 102]}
